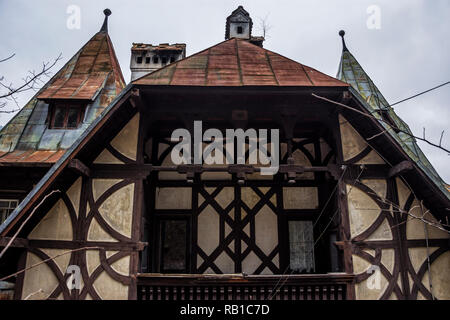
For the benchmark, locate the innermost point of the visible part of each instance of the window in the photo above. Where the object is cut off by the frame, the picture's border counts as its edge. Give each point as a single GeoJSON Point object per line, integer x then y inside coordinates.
{"type": "Point", "coordinates": [173, 245]}
{"type": "Point", "coordinates": [301, 246]}
{"type": "Point", "coordinates": [239, 30]}
{"type": "Point", "coordinates": [6, 207]}
{"type": "Point", "coordinates": [66, 116]}
{"type": "Point", "coordinates": [155, 59]}
{"type": "Point", "coordinates": [172, 59]}
{"type": "Point", "coordinates": [164, 60]}
{"type": "Point", "coordinates": [147, 60]}
{"type": "Point", "coordinates": [139, 60]}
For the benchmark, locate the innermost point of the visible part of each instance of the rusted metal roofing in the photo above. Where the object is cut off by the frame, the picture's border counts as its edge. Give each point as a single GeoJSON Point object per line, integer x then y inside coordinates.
{"type": "Point", "coordinates": [85, 75]}
{"type": "Point", "coordinates": [352, 72]}
{"type": "Point", "coordinates": [236, 62]}
{"type": "Point", "coordinates": [93, 74]}
{"type": "Point", "coordinates": [29, 157]}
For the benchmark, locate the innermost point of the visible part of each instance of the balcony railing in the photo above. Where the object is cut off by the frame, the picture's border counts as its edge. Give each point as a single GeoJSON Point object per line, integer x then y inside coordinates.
{"type": "Point", "coordinates": [333, 286]}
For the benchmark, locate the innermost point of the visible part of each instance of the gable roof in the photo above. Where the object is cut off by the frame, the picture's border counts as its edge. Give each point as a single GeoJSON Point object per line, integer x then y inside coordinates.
{"type": "Point", "coordinates": [352, 73]}
{"type": "Point", "coordinates": [236, 62]}
{"type": "Point", "coordinates": [93, 74]}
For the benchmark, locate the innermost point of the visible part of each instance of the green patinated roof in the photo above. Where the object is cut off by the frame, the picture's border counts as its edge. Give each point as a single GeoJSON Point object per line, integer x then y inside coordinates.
{"type": "Point", "coordinates": [92, 75]}
{"type": "Point", "coordinates": [352, 73]}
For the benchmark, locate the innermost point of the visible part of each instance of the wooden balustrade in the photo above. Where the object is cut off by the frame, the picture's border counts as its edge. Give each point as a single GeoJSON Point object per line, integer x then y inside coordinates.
{"type": "Point", "coordinates": [243, 287]}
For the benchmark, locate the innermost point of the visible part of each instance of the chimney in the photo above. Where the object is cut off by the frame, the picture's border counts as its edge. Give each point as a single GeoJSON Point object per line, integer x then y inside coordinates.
{"type": "Point", "coordinates": [146, 58]}
{"type": "Point", "coordinates": [239, 25]}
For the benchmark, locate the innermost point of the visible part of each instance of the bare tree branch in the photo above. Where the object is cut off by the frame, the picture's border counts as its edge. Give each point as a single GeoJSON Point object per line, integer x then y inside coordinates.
{"type": "Point", "coordinates": [26, 220]}
{"type": "Point", "coordinates": [49, 259]}
{"type": "Point", "coordinates": [7, 59]}
{"type": "Point", "coordinates": [32, 81]}
{"type": "Point", "coordinates": [424, 139]}
{"type": "Point", "coordinates": [264, 25]}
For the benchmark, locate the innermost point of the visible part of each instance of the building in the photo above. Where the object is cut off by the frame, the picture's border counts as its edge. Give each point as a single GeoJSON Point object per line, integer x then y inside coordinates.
{"type": "Point", "coordinates": [336, 221]}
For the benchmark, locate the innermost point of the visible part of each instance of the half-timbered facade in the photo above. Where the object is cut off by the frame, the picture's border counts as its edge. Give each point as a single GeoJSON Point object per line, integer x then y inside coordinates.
{"type": "Point", "coordinates": [336, 221]}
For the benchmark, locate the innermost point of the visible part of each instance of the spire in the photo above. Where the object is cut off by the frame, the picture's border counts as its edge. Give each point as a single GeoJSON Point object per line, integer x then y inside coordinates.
{"type": "Point", "coordinates": [104, 27]}
{"type": "Point", "coordinates": [342, 34]}
{"type": "Point", "coordinates": [351, 72]}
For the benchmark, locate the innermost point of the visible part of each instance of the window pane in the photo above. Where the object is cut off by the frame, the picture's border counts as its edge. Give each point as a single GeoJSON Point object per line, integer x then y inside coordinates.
{"type": "Point", "coordinates": [72, 119]}
{"type": "Point", "coordinates": [6, 208]}
{"type": "Point", "coordinates": [58, 118]}
{"type": "Point", "coordinates": [173, 245]}
{"type": "Point", "coordinates": [301, 246]}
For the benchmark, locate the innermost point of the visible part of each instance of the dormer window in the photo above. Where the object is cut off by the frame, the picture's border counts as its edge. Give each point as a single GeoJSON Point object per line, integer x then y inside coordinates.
{"type": "Point", "coordinates": [239, 30]}
{"type": "Point", "coordinates": [66, 116]}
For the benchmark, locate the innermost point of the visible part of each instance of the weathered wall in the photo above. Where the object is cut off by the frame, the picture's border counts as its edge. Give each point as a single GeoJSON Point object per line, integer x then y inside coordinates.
{"type": "Point", "coordinates": [98, 214]}
{"type": "Point", "coordinates": [390, 241]}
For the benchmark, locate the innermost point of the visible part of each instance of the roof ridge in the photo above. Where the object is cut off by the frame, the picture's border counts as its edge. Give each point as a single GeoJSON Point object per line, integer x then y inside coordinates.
{"type": "Point", "coordinates": [114, 61]}
{"type": "Point", "coordinates": [238, 62]}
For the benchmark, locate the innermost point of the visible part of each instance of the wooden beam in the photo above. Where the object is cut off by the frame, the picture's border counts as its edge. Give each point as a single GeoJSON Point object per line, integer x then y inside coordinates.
{"type": "Point", "coordinates": [79, 167]}
{"type": "Point", "coordinates": [18, 242]}
{"type": "Point", "coordinates": [400, 168]}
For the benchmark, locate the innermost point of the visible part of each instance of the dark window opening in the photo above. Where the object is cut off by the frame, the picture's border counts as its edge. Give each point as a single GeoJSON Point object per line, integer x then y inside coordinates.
{"type": "Point", "coordinates": [64, 116]}
{"type": "Point", "coordinates": [139, 60]}
{"type": "Point", "coordinates": [155, 59]}
{"type": "Point", "coordinates": [171, 253]}
{"type": "Point", "coordinates": [239, 30]}
{"type": "Point", "coordinates": [172, 59]}
{"type": "Point", "coordinates": [164, 60]}
{"type": "Point", "coordinates": [173, 245]}
{"type": "Point", "coordinates": [147, 60]}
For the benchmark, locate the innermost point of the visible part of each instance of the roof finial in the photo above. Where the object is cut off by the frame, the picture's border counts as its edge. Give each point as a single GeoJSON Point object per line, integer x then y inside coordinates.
{"type": "Point", "coordinates": [342, 34]}
{"type": "Point", "coordinates": [107, 13]}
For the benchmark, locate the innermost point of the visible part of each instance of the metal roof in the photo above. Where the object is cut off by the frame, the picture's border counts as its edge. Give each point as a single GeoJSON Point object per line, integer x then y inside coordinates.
{"type": "Point", "coordinates": [352, 73]}
{"type": "Point", "coordinates": [236, 62]}
{"type": "Point", "coordinates": [93, 74]}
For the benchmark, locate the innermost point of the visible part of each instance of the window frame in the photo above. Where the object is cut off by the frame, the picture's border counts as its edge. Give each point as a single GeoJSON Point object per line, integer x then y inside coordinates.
{"type": "Point", "coordinates": [66, 107]}
{"type": "Point", "coordinates": [157, 259]}
{"type": "Point", "coordinates": [10, 200]}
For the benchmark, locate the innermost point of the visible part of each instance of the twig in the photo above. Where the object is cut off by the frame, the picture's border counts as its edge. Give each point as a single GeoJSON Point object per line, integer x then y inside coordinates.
{"type": "Point", "coordinates": [26, 220]}
{"type": "Point", "coordinates": [49, 259]}
{"type": "Point", "coordinates": [393, 127]}
{"type": "Point", "coordinates": [8, 57]}
{"type": "Point", "coordinates": [34, 293]}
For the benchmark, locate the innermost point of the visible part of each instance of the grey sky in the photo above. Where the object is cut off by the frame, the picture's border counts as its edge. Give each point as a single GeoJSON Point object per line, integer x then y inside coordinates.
{"type": "Point", "coordinates": [410, 53]}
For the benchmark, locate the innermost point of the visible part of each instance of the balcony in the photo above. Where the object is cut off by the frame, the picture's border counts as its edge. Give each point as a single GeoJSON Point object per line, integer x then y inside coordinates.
{"type": "Point", "coordinates": [333, 286]}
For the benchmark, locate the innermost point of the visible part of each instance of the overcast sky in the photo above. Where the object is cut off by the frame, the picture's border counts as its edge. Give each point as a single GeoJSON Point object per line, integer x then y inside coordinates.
{"type": "Point", "coordinates": [409, 53]}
